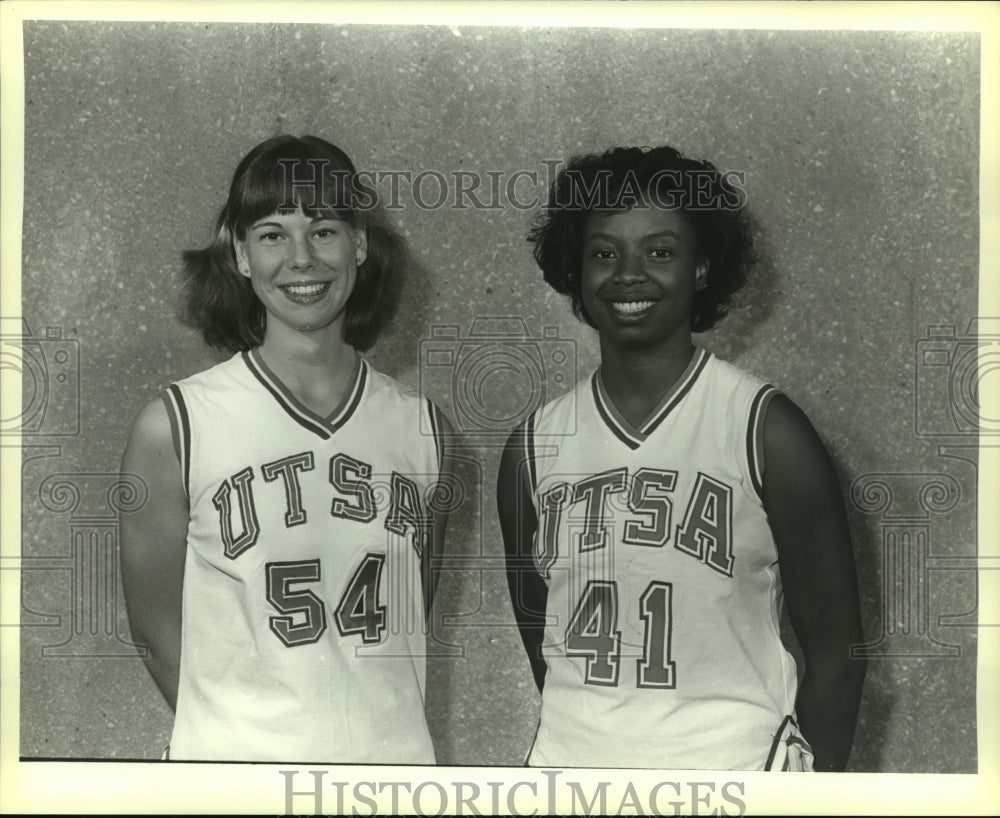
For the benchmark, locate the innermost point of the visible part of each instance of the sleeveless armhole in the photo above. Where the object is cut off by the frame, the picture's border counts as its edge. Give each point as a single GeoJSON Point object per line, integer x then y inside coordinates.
{"type": "Point", "coordinates": [755, 437]}
{"type": "Point", "coordinates": [790, 752]}
{"type": "Point", "coordinates": [437, 428]}
{"type": "Point", "coordinates": [180, 430]}
{"type": "Point", "coordinates": [528, 444]}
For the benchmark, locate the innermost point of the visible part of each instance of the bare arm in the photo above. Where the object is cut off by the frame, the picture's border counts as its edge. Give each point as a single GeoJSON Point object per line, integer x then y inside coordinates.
{"type": "Point", "coordinates": [528, 591]}
{"type": "Point", "coordinates": [805, 508]}
{"type": "Point", "coordinates": [153, 545]}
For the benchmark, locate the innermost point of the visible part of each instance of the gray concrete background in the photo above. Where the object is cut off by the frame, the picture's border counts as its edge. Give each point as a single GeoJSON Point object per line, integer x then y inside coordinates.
{"type": "Point", "coordinates": [861, 157]}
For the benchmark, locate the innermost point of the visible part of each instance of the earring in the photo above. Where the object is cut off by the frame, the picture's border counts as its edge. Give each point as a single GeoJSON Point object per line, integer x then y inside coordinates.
{"type": "Point", "coordinates": [246, 271]}
{"type": "Point", "coordinates": [357, 259]}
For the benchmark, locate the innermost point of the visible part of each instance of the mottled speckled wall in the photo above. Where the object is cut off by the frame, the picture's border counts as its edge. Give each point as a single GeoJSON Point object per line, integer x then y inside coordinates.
{"type": "Point", "coordinates": [860, 151]}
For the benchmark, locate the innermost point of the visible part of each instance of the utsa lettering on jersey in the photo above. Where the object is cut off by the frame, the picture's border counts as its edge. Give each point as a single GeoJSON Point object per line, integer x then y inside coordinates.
{"type": "Point", "coordinates": [303, 580]}
{"type": "Point", "coordinates": [650, 551]}
{"type": "Point", "coordinates": [281, 574]}
{"type": "Point", "coordinates": [656, 551]}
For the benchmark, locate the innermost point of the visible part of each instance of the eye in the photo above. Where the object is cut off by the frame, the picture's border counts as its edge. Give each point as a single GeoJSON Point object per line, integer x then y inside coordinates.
{"type": "Point", "coordinates": [326, 230]}
{"type": "Point", "coordinates": [270, 237]}
{"type": "Point", "coordinates": [661, 252]}
{"type": "Point", "coordinates": [603, 254]}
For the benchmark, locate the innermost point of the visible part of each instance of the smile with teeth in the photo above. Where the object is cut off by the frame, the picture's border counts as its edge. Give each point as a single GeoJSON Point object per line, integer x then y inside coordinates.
{"type": "Point", "coordinates": [305, 293]}
{"type": "Point", "coordinates": [631, 307]}
{"type": "Point", "coordinates": [306, 289]}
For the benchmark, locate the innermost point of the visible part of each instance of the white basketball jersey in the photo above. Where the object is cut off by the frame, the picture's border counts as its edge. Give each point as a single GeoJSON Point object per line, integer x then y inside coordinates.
{"type": "Point", "coordinates": [303, 613]}
{"type": "Point", "coordinates": [662, 640]}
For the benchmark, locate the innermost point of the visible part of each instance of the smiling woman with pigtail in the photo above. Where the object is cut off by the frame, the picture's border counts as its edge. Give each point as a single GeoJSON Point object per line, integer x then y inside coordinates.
{"type": "Point", "coordinates": [269, 582]}
{"type": "Point", "coordinates": [656, 517]}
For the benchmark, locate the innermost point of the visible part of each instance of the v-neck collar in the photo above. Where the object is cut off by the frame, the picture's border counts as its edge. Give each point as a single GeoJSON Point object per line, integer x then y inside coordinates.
{"type": "Point", "coordinates": [633, 436]}
{"type": "Point", "coordinates": [299, 412]}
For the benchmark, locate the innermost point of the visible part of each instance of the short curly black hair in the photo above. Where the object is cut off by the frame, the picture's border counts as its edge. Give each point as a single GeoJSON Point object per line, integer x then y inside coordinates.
{"type": "Point", "coordinates": [623, 177]}
{"type": "Point", "coordinates": [221, 304]}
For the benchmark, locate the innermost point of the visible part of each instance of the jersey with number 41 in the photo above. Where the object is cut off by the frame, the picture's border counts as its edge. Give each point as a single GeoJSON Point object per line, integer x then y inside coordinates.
{"type": "Point", "coordinates": [303, 633]}
{"type": "Point", "coordinates": [662, 639]}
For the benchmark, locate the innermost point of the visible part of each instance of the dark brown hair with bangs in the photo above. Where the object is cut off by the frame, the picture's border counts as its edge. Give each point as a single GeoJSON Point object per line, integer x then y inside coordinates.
{"type": "Point", "coordinates": [285, 173]}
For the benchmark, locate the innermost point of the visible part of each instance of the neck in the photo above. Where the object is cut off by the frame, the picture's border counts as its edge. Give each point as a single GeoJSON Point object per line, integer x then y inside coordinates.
{"type": "Point", "coordinates": [640, 378]}
{"type": "Point", "coordinates": [308, 358]}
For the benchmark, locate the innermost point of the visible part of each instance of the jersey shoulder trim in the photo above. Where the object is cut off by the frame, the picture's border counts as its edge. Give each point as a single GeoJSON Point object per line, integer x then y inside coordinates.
{"type": "Point", "coordinates": [436, 417]}
{"type": "Point", "coordinates": [180, 430]}
{"type": "Point", "coordinates": [755, 436]}
{"type": "Point", "coordinates": [527, 441]}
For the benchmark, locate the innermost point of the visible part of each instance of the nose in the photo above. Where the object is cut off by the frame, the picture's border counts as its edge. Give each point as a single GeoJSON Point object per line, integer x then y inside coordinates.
{"type": "Point", "coordinates": [300, 253]}
{"type": "Point", "coordinates": [630, 269]}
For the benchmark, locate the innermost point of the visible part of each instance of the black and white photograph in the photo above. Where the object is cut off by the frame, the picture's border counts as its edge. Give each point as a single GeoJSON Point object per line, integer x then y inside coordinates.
{"type": "Point", "coordinates": [500, 408]}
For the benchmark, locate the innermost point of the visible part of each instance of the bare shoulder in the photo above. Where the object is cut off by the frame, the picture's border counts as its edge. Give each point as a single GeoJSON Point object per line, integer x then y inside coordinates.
{"type": "Point", "coordinates": [152, 455]}
{"type": "Point", "coordinates": [785, 424]}
{"type": "Point", "coordinates": [152, 419]}
{"type": "Point", "coordinates": [802, 493]}
{"type": "Point", "coordinates": [151, 433]}
{"type": "Point", "coordinates": [792, 446]}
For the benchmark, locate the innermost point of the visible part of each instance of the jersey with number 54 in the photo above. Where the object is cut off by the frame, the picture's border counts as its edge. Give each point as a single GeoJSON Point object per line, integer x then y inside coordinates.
{"type": "Point", "coordinates": [303, 634]}
{"type": "Point", "coordinates": [662, 640]}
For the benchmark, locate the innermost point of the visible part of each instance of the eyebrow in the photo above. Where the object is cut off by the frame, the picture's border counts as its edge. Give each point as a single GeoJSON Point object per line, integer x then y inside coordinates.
{"type": "Point", "coordinates": [608, 237]}
{"type": "Point", "coordinates": [313, 220]}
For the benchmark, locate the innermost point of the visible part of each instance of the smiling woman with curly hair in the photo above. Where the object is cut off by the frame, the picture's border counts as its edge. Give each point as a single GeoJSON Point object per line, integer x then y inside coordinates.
{"type": "Point", "coordinates": [655, 516]}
